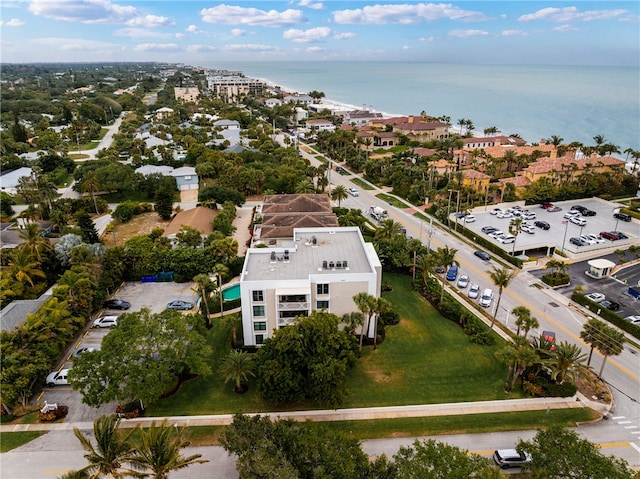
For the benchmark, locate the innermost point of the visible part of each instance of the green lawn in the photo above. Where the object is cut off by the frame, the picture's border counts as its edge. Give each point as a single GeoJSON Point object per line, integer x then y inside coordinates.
{"type": "Point", "coordinates": [424, 359]}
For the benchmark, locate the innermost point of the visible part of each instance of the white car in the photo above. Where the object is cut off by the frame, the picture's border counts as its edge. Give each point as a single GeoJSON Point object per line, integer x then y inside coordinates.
{"type": "Point", "coordinates": [495, 211]}
{"type": "Point", "coordinates": [504, 214]}
{"type": "Point", "coordinates": [633, 320]}
{"type": "Point", "coordinates": [596, 238]}
{"type": "Point", "coordinates": [474, 291]}
{"type": "Point", "coordinates": [578, 220]}
{"type": "Point", "coordinates": [469, 219]}
{"type": "Point", "coordinates": [496, 234]}
{"type": "Point", "coordinates": [58, 378]}
{"type": "Point", "coordinates": [527, 228]}
{"type": "Point", "coordinates": [486, 298]}
{"type": "Point", "coordinates": [571, 213]}
{"type": "Point", "coordinates": [105, 322]}
{"type": "Point", "coordinates": [595, 297]}
{"type": "Point", "coordinates": [353, 192]}
{"type": "Point", "coordinates": [463, 281]}
{"type": "Point", "coordinates": [528, 215]}
{"type": "Point", "coordinates": [507, 239]}
{"type": "Point", "coordinates": [588, 240]}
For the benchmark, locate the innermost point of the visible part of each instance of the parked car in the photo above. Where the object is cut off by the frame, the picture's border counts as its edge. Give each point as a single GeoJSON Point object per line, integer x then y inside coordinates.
{"type": "Point", "coordinates": [550, 337]}
{"type": "Point", "coordinates": [495, 211]}
{"type": "Point", "coordinates": [116, 304]}
{"type": "Point", "coordinates": [469, 219]}
{"type": "Point", "coordinates": [554, 209]}
{"type": "Point", "coordinates": [486, 298]}
{"type": "Point", "coordinates": [340, 169]}
{"type": "Point", "coordinates": [595, 297]}
{"type": "Point", "coordinates": [496, 234]}
{"type": "Point", "coordinates": [504, 214]}
{"type": "Point", "coordinates": [587, 212]}
{"type": "Point", "coordinates": [507, 239]}
{"type": "Point", "coordinates": [571, 213]}
{"type": "Point", "coordinates": [482, 255]}
{"type": "Point", "coordinates": [179, 305]}
{"type": "Point", "coordinates": [633, 320]}
{"type": "Point", "coordinates": [474, 291]}
{"type": "Point", "coordinates": [588, 240]}
{"type": "Point", "coordinates": [353, 192]}
{"type": "Point", "coordinates": [80, 351]}
{"type": "Point", "coordinates": [528, 215]}
{"type": "Point", "coordinates": [460, 214]}
{"type": "Point", "coordinates": [463, 281]}
{"type": "Point", "coordinates": [578, 241]}
{"type": "Point", "coordinates": [527, 228]}
{"type": "Point", "coordinates": [622, 216]}
{"type": "Point", "coordinates": [542, 224]}
{"type": "Point", "coordinates": [452, 273]}
{"type": "Point", "coordinates": [620, 235]}
{"type": "Point", "coordinates": [488, 229]}
{"type": "Point", "coordinates": [106, 322]}
{"type": "Point", "coordinates": [578, 220]}
{"type": "Point", "coordinates": [546, 205]}
{"type": "Point", "coordinates": [610, 235]}
{"type": "Point", "coordinates": [506, 458]}
{"type": "Point", "coordinates": [58, 378]}
{"type": "Point", "coordinates": [439, 269]}
{"type": "Point", "coordinates": [611, 305]}
{"type": "Point", "coordinates": [595, 238]}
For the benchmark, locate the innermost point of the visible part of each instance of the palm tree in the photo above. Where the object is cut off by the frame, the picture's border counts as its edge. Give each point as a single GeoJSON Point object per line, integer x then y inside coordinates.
{"type": "Point", "coordinates": [338, 194]}
{"type": "Point", "coordinates": [34, 241]}
{"type": "Point", "coordinates": [25, 267]}
{"type": "Point", "coordinates": [518, 356]}
{"type": "Point", "coordinates": [381, 306]}
{"type": "Point", "coordinates": [352, 320]}
{"type": "Point", "coordinates": [610, 344]}
{"type": "Point", "coordinates": [237, 366]}
{"type": "Point", "coordinates": [592, 333]}
{"type": "Point", "coordinates": [445, 257]}
{"type": "Point", "coordinates": [501, 277]}
{"type": "Point", "coordinates": [388, 229]}
{"type": "Point", "coordinates": [524, 320]}
{"type": "Point", "coordinates": [305, 186]}
{"type": "Point", "coordinates": [220, 270]}
{"type": "Point", "coordinates": [159, 450]}
{"type": "Point", "coordinates": [366, 304]}
{"type": "Point", "coordinates": [567, 360]}
{"type": "Point", "coordinates": [203, 286]}
{"type": "Point", "coordinates": [514, 228]}
{"type": "Point", "coordinates": [111, 451]}
{"type": "Point", "coordinates": [91, 184]}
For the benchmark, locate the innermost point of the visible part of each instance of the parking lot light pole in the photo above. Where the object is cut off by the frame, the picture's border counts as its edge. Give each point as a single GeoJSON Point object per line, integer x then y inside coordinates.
{"type": "Point", "coordinates": [566, 225]}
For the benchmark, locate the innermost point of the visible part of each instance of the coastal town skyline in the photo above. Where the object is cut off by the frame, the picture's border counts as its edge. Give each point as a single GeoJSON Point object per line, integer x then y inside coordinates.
{"type": "Point", "coordinates": [195, 32]}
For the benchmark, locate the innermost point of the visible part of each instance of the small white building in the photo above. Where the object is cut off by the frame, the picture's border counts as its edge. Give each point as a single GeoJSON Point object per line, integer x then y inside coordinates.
{"type": "Point", "coordinates": [10, 179]}
{"type": "Point", "coordinates": [319, 268]}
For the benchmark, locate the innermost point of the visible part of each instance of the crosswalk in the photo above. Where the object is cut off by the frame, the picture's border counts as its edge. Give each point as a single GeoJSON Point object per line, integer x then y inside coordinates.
{"type": "Point", "coordinates": [632, 428]}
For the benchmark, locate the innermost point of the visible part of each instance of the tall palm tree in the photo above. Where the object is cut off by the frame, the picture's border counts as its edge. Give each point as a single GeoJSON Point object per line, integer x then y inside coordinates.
{"type": "Point", "coordinates": [388, 229]}
{"type": "Point", "coordinates": [111, 451]}
{"type": "Point", "coordinates": [518, 356]}
{"type": "Point", "coordinates": [237, 366]}
{"type": "Point", "coordinates": [501, 277]}
{"type": "Point", "coordinates": [592, 333]}
{"type": "Point", "coordinates": [381, 306]}
{"type": "Point", "coordinates": [25, 267]}
{"type": "Point", "coordinates": [515, 226]}
{"type": "Point", "coordinates": [338, 194]}
{"type": "Point", "coordinates": [91, 184]}
{"type": "Point", "coordinates": [365, 304]}
{"type": "Point", "coordinates": [305, 186]}
{"type": "Point", "coordinates": [159, 450]}
{"type": "Point", "coordinates": [524, 320]}
{"type": "Point", "coordinates": [34, 241]}
{"type": "Point", "coordinates": [203, 285]}
{"type": "Point", "coordinates": [610, 344]}
{"type": "Point", "coordinates": [445, 257]}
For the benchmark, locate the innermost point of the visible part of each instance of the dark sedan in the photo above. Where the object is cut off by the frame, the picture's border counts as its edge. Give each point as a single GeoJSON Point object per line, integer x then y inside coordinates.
{"type": "Point", "coordinates": [180, 305]}
{"type": "Point", "coordinates": [482, 255]}
{"type": "Point", "coordinates": [611, 305]}
{"type": "Point", "coordinates": [116, 304]}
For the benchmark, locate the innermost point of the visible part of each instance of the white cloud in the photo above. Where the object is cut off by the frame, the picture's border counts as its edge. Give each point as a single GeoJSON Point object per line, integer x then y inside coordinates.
{"type": "Point", "coordinates": [468, 33]}
{"type": "Point", "coordinates": [568, 14]}
{"type": "Point", "coordinates": [311, 4]}
{"type": "Point", "coordinates": [77, 44]}
{"type": "Point", "coordinates": [513, 33]}
{"type": "Point", "coordinates": [344, 36]}
{"type": "Point", "coordinates": [238, 32]}
{"type": "Point", "coordinates": [248, 47]}
{"type": "Point", "coordinates": [14, 22]}
{"type": "Point", "coordinates": [312, 35]}
{"type": "Point", "coordinates": [427, 39]}
{"type": "Point", "coordinates": [140, 33]}
{"type": "Point", "coordinates": [192, 29]}
{"type": "Point", "coordinates": [314, 49]}
{"type": "Point", "coordinates": [180, 36]}
{"type": "Point", "coordinates": [406, 47]}
{"type": "Point", "coordinates": [151, 21]}
{"type": "Point", "coordinates": [565, 28]}
{"type": "Point", "coordinates": [157, 47]}
{"type": "Point", "coordinates": [201, 48]}
{"type": "Point", "coordinates": [231, 15]}
{"type": "Point", "coordinates": [96, 11]}
{"type": "Point", "coordinates": [404, 14]}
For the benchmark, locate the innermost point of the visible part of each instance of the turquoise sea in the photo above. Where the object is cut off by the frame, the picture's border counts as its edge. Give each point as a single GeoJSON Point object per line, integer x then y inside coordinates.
{"type": "Point", "coordinates": [573, 102]}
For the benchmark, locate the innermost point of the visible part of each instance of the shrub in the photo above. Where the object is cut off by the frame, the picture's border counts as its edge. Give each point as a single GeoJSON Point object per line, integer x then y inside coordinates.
{"type": "Point", "coordinates": [390, 318]}
{"type": "Point", "coordinates": [554, 279]}
{"type": "Point", "coordinates": [563, 390]}
{"type": "Point", "coordinates": [125, 211]}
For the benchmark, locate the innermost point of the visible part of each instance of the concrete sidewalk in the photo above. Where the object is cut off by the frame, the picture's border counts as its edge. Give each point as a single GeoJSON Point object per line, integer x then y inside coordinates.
{"type": "Point", "coordinates": [353, 414]}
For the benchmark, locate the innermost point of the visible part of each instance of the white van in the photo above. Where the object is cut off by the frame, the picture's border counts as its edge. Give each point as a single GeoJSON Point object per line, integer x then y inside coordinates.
{"type": "Point", "coordinates": [58, 378]}
{"type": "Point", "coordinates": [486, 298]}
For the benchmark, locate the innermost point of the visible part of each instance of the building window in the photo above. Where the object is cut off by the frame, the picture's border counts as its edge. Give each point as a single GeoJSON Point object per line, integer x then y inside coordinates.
{"type": "Point", "coordinates": [258, 310]}
{"type": "Point", "coordinates": [322, 288]}
{"type": "Point", "coordinates": [258, 296]}
{"type": "Point", "coordinates": [322, 304]}
{"type": "Point", "coordinates": [259, 338]}
{"type": "Point", "coordinates": [260, 326]}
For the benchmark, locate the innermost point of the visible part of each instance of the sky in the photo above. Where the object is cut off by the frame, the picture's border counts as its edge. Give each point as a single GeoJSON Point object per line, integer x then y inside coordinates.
{"type": "Point", "coordinates": [200, 33]}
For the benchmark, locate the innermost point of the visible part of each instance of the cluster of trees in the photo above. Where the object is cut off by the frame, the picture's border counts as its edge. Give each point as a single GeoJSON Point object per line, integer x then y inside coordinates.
{"type": "Point", "coordinates": [143, 358]}
{"type": "Point", "coordinates": [289, 449]}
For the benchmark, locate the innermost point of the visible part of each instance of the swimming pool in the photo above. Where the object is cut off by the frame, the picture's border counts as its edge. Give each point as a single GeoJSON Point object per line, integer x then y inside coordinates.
{"type": "Point", "coordinates": [231, 292]}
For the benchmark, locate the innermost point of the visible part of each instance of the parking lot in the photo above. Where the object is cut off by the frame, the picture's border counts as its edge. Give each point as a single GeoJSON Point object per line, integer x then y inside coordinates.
{"type": "Point", "coordinates": [154, 296]}
{"type": "Point", "coordinates": [561, 229]}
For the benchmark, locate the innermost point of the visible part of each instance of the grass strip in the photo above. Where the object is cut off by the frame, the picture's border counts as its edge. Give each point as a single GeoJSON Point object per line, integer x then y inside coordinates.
{"type": "Point", "coordinates": [11, 440]}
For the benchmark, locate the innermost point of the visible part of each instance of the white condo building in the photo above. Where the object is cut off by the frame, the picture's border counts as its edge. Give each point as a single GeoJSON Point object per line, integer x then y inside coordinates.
{"type": "Point", "coordinates": [319, 268]}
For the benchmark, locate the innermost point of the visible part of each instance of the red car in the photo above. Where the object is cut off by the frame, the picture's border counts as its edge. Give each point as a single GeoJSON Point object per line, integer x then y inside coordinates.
{"type": "Point", "coordinates": [550, 337]}
{"type": "Point", "coordinates": [546, 205]}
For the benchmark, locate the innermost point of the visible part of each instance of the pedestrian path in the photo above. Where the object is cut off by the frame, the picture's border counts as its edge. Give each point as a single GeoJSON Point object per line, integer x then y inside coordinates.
{"type": "Point", "coordinates": [350, 414]}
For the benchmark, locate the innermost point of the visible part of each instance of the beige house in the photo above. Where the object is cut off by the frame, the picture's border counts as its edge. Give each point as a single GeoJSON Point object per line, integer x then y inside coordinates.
{"type": "Point", "coordinates": [188, 94]}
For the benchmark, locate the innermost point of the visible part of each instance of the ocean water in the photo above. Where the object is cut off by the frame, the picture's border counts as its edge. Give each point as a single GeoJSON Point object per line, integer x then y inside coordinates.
{"type": "Point", "coordinates": [573, 102]}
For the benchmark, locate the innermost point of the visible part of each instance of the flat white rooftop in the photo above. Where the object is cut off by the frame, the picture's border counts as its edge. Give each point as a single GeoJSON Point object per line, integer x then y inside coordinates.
{"type": "Point", "coordinates": [307, 252]}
